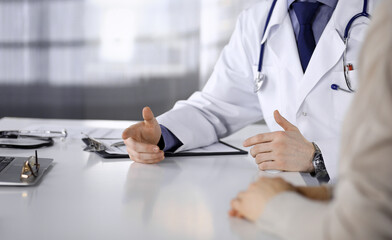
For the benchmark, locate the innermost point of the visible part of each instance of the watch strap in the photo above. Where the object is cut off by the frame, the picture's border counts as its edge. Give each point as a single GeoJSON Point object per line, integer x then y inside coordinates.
{"type": "Point", "coordinates": [320, 171]}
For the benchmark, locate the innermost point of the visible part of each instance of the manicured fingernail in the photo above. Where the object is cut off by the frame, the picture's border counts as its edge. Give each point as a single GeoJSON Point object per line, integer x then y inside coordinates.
{"type": "Point", "coordinates": [156, 149]}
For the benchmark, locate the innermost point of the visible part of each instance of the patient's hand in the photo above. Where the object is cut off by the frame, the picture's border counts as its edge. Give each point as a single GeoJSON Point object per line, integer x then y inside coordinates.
{"type": "Point", "coordinates": [250, 204]}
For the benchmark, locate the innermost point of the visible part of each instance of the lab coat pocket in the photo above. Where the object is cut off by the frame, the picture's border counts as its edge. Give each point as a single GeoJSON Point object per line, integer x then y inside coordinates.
{"type": "Point", "coordinates": [353, 78]}
{"type": "Point", "coordinates": [342, 99]}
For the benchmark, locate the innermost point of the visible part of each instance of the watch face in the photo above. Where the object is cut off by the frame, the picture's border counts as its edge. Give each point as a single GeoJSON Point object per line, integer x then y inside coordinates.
{"type": "Point", "coordinates": [320, 168]}
{"type": "Point", "coordinates": [318, 163]}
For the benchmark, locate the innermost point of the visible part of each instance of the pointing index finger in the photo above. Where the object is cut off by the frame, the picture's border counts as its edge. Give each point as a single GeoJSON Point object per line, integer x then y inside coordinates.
{"type": "Point", "coordinates": [126, 133]}
{"type": "Point", "coordinates": [259, 138]}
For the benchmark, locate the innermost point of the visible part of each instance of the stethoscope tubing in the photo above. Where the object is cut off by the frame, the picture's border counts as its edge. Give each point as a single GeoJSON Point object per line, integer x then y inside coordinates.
{"type": "Point", "coordinates": [364, 13]}
{"type": "Point", "coordinates": [336, 87]}
{"type": "Point", "coordinates": [265, 29]}
{"type": "Point", "coordinates": [345, 39]}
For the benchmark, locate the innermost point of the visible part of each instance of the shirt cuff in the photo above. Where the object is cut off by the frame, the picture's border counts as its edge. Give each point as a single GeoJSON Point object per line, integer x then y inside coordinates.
{"type": "Point", "coordinates": [168, 142]}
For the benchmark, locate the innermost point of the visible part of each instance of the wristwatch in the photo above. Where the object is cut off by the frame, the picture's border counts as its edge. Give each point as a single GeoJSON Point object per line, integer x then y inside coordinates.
{"type": "Point", "coordinates": [320, 172]}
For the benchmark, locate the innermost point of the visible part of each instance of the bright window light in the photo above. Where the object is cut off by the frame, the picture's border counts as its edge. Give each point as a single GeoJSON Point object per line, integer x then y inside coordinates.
{"type": "Point", "coordinates": [117, 36]}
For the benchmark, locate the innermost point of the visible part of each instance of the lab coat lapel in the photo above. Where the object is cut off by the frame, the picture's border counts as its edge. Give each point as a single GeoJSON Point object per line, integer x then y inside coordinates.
{"type": "Point", "coordinates": [281, 40]}
{"type": "Point", "coordinates": [327, 53]}
{"type": "Point", "coordinates": [277, 17]}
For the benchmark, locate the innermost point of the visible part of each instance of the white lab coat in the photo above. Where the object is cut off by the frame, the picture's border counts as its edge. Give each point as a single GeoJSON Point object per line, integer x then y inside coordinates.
{"type": "Point", "coordinates": [227, 103]}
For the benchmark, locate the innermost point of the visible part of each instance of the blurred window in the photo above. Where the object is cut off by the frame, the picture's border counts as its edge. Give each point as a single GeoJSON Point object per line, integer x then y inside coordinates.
{"type": "Point", "coordinates": [164, 48]}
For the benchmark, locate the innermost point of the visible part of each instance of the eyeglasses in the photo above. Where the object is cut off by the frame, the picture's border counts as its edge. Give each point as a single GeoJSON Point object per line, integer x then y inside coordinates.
{"type": "Point", "coordinates": [30, 167]}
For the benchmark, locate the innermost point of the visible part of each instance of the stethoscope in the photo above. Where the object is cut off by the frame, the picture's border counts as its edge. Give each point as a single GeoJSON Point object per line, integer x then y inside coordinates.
{"type": "Point", "coordinates": [260, 78]}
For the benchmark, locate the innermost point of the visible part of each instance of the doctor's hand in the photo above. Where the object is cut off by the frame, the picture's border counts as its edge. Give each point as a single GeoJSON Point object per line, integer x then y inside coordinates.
{"type": "Point", "coordinates": [142, 138]}
{"type": "Point", "coordinates": [284, 150]}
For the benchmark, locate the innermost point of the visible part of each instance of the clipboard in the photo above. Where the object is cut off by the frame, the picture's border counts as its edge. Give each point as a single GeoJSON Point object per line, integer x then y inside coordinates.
{"type": "Point", "coordinates": [99, 147]}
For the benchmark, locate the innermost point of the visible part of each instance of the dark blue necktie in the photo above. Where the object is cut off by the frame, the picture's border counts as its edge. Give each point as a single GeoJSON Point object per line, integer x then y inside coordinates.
{"type": "Point", "coordinates": [305, 12]}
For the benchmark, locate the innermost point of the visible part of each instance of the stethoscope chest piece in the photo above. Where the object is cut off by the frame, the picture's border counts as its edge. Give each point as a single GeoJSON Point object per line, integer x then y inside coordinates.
{"type": "Point", "coordinates": [259, 81]}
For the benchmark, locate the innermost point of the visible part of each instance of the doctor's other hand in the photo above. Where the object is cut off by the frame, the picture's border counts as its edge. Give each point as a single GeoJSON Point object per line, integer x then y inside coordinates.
{"type": "Point", "coordinates": [250, 204]}
{"type": "Point", "coordinates": [141, 139]}
{"type": "Point", "coordinates": [286, 150]}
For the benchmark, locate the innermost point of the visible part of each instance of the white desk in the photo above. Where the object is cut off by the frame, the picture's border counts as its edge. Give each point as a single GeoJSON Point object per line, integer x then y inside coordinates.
{"type": "Point", "coordinates": [86, 197]}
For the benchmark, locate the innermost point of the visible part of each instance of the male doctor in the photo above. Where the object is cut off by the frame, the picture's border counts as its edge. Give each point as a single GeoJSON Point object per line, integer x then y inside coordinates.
{"type": "Point", "coordinates": [303, 57]}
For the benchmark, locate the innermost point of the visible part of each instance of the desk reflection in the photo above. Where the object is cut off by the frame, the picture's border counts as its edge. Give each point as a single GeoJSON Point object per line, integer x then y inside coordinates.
{"type": "Point", "coordinates": [144, 182]}
{"type": "Point", "coordinates": [162, 198]}
{"type": "Point", "coordinates": [249, 230]}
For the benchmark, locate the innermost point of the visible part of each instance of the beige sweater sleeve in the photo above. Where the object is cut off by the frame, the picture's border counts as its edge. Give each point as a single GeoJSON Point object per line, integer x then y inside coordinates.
{"type": "Point", "coordinates": [362, 204]}
{"type": "Point", "coordinates": [361, 208]}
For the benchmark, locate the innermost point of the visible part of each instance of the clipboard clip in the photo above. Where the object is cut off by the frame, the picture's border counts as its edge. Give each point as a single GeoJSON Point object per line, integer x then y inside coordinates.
{"type": "Point", "coordinates": [92, 144]}
{"type": "Point", "coordinates": [95, 145]}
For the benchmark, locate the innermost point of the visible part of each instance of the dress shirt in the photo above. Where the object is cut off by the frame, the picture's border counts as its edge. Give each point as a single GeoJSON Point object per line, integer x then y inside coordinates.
{"type": "Point", "coordinates": [322, 17]}
{"type": "Point", "coordinates": [170, 141]}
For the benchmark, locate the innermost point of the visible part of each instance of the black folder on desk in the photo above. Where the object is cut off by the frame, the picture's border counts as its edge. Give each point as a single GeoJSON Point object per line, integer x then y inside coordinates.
{"type": "Point", "coordinates": [224, 149]}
